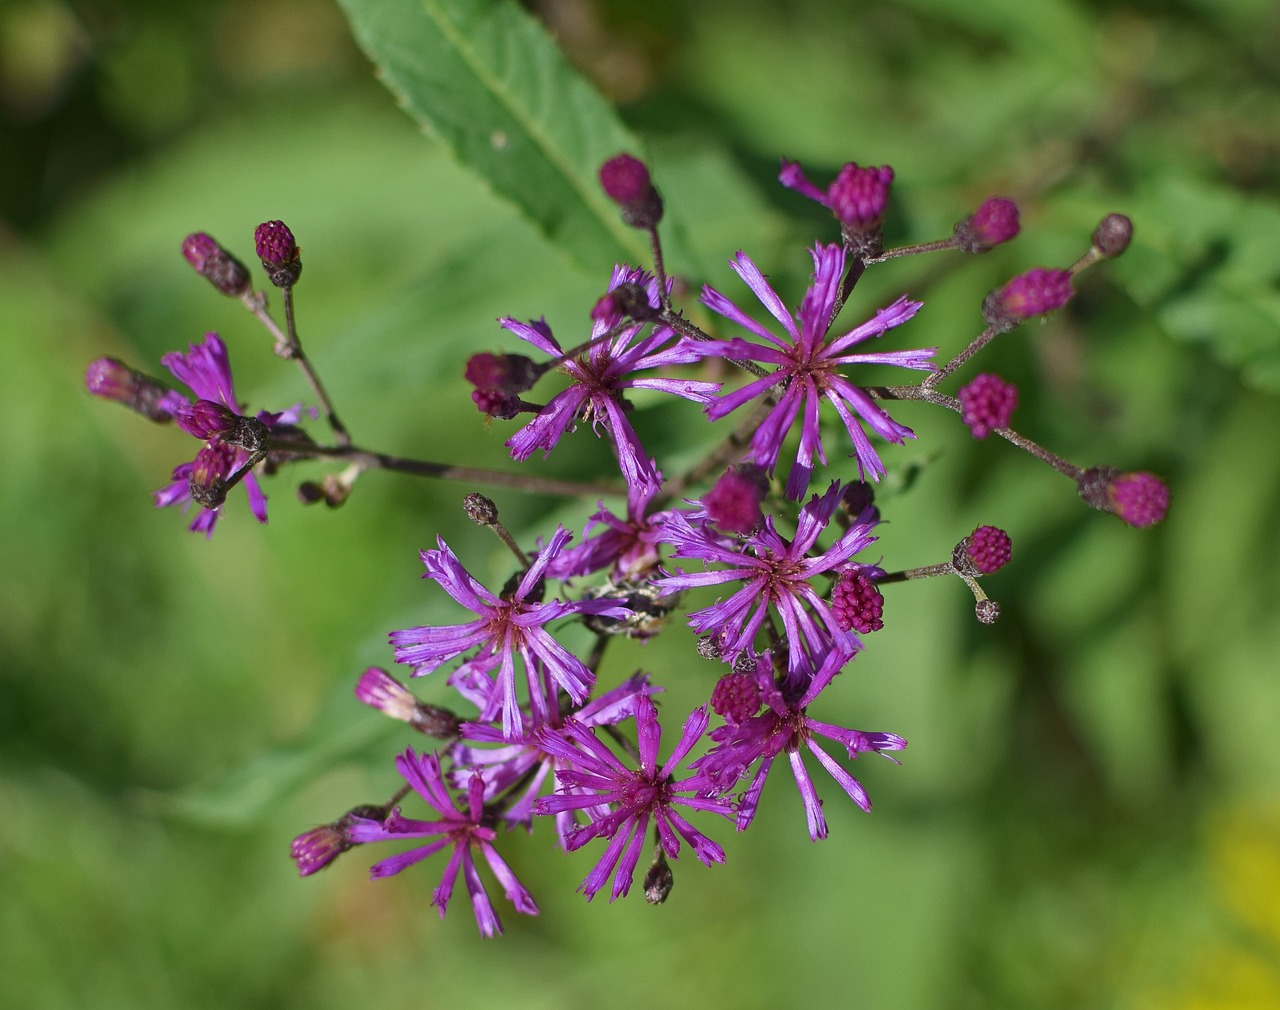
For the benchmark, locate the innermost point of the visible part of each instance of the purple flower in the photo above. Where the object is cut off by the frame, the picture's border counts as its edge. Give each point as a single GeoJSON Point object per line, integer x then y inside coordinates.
{"type": "Point", "coordinates": [857, 197]}
{"type": "Point", "coordinates": [206, 369]}
{"type": "Point", "coordinates": [629, 545]}
{"type": "Point", "coordinates": [987, 403]}
{"type": "Point", "coordinates": [774, 574]}
{"type": "Point", "coordinates": [521, 764]}
{"type": "Point", "coordinates": [807, 368]}
{"type": "Point", "coordinates": [600, 375]}
{"type": "Point", "coordinates": [785, 726]}
{"type": "Point", "coordinates": [464, 830]}
{"type": "Point", "coordinates": [593, 774]}
{"type": "Point", "coordinates": [507, 625]}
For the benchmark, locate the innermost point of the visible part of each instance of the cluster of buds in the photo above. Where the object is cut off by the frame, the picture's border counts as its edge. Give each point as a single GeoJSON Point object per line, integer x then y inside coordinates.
{"type": "Point", "coordinates": [771, 556]}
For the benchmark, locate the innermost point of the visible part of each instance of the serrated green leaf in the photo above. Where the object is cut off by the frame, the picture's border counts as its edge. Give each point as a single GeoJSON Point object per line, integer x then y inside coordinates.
{"type": "Point", "coordinates": [485, 78]}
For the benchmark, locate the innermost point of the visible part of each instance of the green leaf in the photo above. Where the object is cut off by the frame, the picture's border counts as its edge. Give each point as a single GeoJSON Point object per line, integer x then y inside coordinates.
{"type": "Point", "coordinates": [483, 77]}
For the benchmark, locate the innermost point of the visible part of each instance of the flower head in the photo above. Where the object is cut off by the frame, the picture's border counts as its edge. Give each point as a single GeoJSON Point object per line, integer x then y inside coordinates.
{"type": "Point", "coordinates": [464, 830]}
{"type": "Point", "coordinates": [786, 727]}
{"type": "Point", "coordinates": [808, 368]}
{"type": "Point", "coordinates": [987, 403]}
{"type": "Point", "coordinates": [1033, 293]}
{"type": "Point", "coordinates": [593, 775]}
{"type": "Point", "coordinates": [600, 375]}
{"type": "Point", "coordinates": [776, 575]}
{"type": "Point", "coordinates": [992, 224]}
{"type": "Point", "coordinates": [507, 625]}
{"type": "Point", "coordinates": [857, 197]}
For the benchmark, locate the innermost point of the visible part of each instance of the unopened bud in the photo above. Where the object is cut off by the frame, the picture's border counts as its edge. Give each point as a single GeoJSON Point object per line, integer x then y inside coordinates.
{"type": "Point", "coordinates": [992, 224]}
{"type": "Point", "coordinates": [627, 183]}
{"type": "Point", "coordinates": [1138, 499]}
{"type": "Point", "coordinates": [480, 510]}
{"type": "Point", "coordinates": [215, 264]}
{"type": "Point", "coordinates": [112, 379]}
{"type": "Point", "coordinates": [987, 403]}
{"type": "Point", "coordinates": [1031, 294]}
{"type": "Point", "coordinates": [279, 253]}
{"type": "Point", "coordinates": [987, 611]}
{"type": "Point", "coordinates": [987, 549]}
{"type": "Point", "coordinates": [1113, 234]}
{"type": "Point", "coordinates": [733, 503]}
{"type": "Point", "coordinates": [315, 849]}
{"type": "Point", "coordinates": [626, 300]}
{"type": "Point", "coordinates": [658, 879]}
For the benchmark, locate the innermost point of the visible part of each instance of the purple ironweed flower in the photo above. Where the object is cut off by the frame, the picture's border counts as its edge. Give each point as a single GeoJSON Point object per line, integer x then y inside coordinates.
{"type": "Point", "coordinates": [987, 403]}
{"type": "Point", "coordinates": [599, 376]}
{"type": "Point", "coordinates": [807, 368]}
{"type": "Point", "coordinates": [206, 369]}
{"type": "Point", "coordinates": [596, 775]}
{"type": "Point", "coordinates": [785, 726]}
{"type": "Point", "coordinates": [629, 545]}
{"type": "Point", "coordinates": [464, 830]}
{"type": "Point", "coordinates": [521, 764]}
{"type": "Point", "coordinates": [507, 625]}
{"type": "Point", "coordinates": [775, 573]}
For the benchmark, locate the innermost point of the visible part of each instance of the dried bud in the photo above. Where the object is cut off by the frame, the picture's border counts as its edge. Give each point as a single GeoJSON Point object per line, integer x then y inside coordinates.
{"type": "Point", "coordinates": [987, 611]}
{"type": "Point", "coordinates": [1138, 499]}
{"type": "Point", "coordinates": [627, 183]}
{"type": "Point", "coordinates": [215, 264]}
{"type": "Point", "coordinates": [658, 879]}
{"type": "Point", "coordinates": [987, 403]}
{"type": "Point", "coordinates": [279, 253]}
{"type": "Point", "coordinates": [480, 510]}
{"type": "Point", "coordinates": [1031, 294]}
{"type": "Point", "coordinates": [1113, 234]}
{"type": "Point", "coordinates": [992, 224]}
{"type": "Point", "coordinates": [114, 380]}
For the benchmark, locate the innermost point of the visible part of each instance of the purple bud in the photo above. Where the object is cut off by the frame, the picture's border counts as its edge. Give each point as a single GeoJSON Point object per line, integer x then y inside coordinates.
{"type": "Point", "coordinates": [494, 403]}
{"type": "Point", "coordinates": [987, 403]}
{"type": "Point", "coordinates": [1138, 499]}
{"type": "Point", "coordinates": [1113, 234]}
{"type": "Point", "coordinates": [279, 253]}
{"type": "Point", "coordinates": [735, 698]}
{"type": "Point", "coordinates": [315, 849]}
{"type": "Point", "coordinates": [856, 603]}
{"type": "Point", "coordinates": [207, 419]}
{"type": "Point", "coordinates": [995, 222]}
{"type": "Point", "coordinates": [859, 197]}
{"type": "Point", "coordinates": [734, 502]}
{"type": "Point", "coordinates": [212, 466]}
{"type": "Point", "coordinates": [627, 183]}
{"type": "Point", "coordinates": [856, 498]}
{"type": "Point", "coordinates": [215, 264]}
{"type": "Point", "coordinates": [505, 373]}
{"type": "Point", "coordinates": [988, 548]}
{"type": "Point", "coordinates": [626, 300]}
{"type": "Point", "coordinates": [1031, 294]}
{"type": "Point", "coordinates": [112, 379]}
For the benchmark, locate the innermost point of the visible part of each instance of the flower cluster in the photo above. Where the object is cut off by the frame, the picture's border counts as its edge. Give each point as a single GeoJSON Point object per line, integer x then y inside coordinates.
{"type": "Point", "coordinates": [774, 576]}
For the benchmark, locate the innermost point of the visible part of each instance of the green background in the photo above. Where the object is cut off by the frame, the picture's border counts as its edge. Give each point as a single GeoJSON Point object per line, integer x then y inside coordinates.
{"type": "Point", "coordinates": [1087, 814]}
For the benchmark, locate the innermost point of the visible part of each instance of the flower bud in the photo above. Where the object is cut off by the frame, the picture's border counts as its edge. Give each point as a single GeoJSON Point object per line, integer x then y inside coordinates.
{"type": "Point", "coordinates": [856, 603]}
{"type": "Point", "coordinates": [992, 224]}
{"type": "Point", "coordinates": [479, 509]}
{"type": "Point", "coordinates": [658, 879]}
{"type": "Point", "coordinates": [987, 403]}
{"type": "Point", "coordinates": [112, 379]}
{"type": "Point", "coordinates": [212, 466]}
{"type": "Point", "coordinates": [1031, 294]}
{"type": "Point", "coordinates": [503, 373]}
{"type": "Point", "coordinates": [1113, 234]}
{"type": "Point", "coordinates": [733, 503]}
{"type": "Point", "coordinates": [627, 183]}
{"type": "Point", "coordinates": [987, 549]}
{"type": "Point", "coordinates": [215, 264]}
{"type": "Point", "coordinates": [279, 253]}
{"type": "Point", "coordinates": [1138, 499]}
{"type": "Point", "coordinates": [859, 197]}
{"type": "Point", "coordinates": [735, 698]}
{"type": "Point", "coordinates": [378, 689]}
{"type": "Point", "coordinates": [625, 301]}
{"type": "Point", "coordinates": [315, 849]}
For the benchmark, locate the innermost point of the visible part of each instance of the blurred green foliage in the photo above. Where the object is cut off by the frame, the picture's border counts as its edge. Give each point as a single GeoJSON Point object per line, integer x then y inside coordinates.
{"type": "Point", "coordinates": [1087, 814]}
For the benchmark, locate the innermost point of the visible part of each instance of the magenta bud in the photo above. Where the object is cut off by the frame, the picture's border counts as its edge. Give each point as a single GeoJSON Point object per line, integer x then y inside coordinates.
{"type": "Point", "coordinates": [735, 698]}
{"type": "Point", "coordinates": [859, 197]}
{"type": "Point", "coordinates": [626, 300]}
{"type": "Point", "coordinates": [627, 183]}
{"type": "Point", "coordinates": [215, 264]}
{"type": "Point", "coordinates": [1113, 234]}
{"type": "Point", "coordinates": [112, 379]}
{"type": "Point", "coordinates": [987, 403]}
{"type": "Point", "coordinates": [856, 603]}
{"type": "Point", "coordinates": [313, 850]}
{"type": "Point", "coordinates": [992, 224]}
{"type": "Point", "coordinates": [1138, 499]}
{"type": "Point", "coordinates": [208, 419]}
{"type": "Point", "coordinates": [494, 403]}
{"type": "Point", "coordinates": [988, 548]}
{"type": "Point", "coordinates": [504, 373]}
{"type": "Point", "coordinates": [733, 503]}
{"type": "Point", "coordinates": [1031, 294]}
{"type": "Point", "coordinates": [279, 253]}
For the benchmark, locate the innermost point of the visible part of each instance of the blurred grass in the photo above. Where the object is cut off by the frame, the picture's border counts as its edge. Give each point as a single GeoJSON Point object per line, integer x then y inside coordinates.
{"type": "Point", "coordinates": [1085, 817]}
